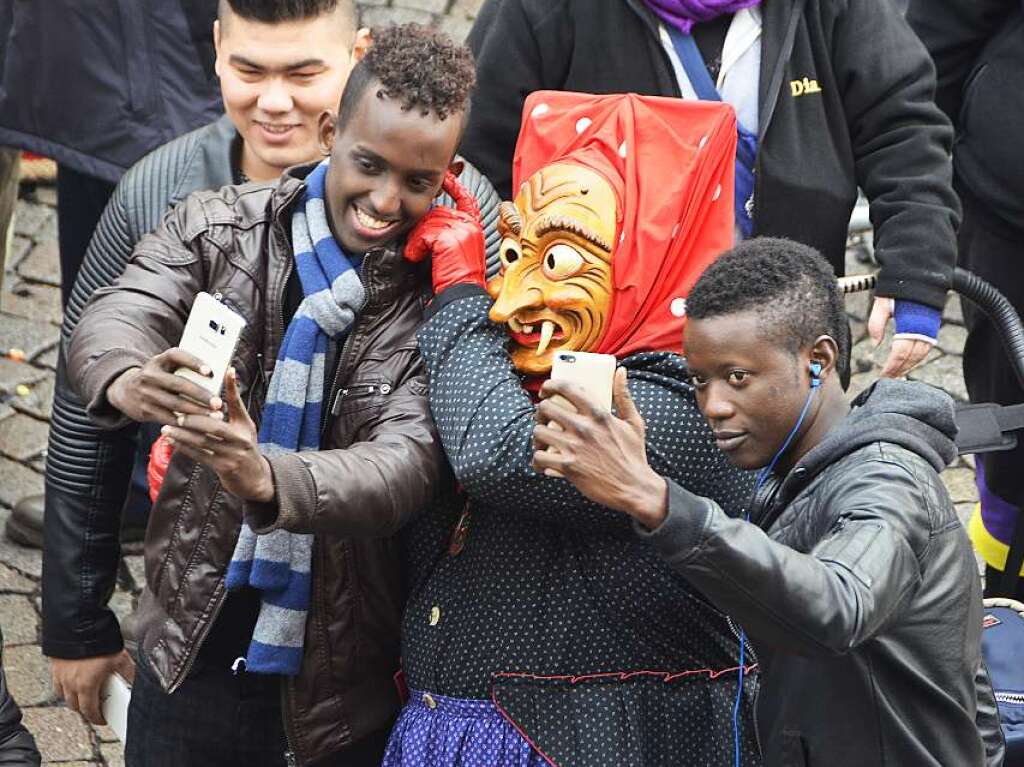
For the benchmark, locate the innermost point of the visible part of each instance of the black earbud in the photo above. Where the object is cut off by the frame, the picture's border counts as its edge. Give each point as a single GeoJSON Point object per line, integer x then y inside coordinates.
{"type": "Point", "coordinates": [815, 374]}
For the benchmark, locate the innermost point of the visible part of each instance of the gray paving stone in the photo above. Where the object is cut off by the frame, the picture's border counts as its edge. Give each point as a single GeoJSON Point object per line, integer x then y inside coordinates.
{"type": "Point", "coordinates": [960, 484]}
{"type": "Point", "coordinates": [38, 403]}
{"type": "Point", "coordinates": [13, 373]}
{"type": "Point", "coordinates": [13, 582]}
{"type": "Point", "coordinates": [25, 560]}
{"type": "Point", "coordinates": [122, 604]}
{"type": "Point", "coordinates": [22, 437]}
{"type": "Point", "coordinates": [385, 17]}
{"type": "Point", "coordinates": [946, 373]}
{"type": "Point", "coordinates": [76, 763]}
{"type": "Point", "coordinates": [858, 305]}
{"type": "Point", "coordinates": [952, 338]}
{"type": "Point", "coordinates": [113, 754]}
{"type": "Point", "coordinates": [20, 248]}
{"type": "Point", "coordinates": [28, 674]}
{"type": "Point", "coordinates": [61, 734]}
{"type": "Point", "coordinates": [26, 334]}
{"type": "Point", "coordinates": [29, 217]}
{"type": "Point", "coordinates": [136, 566]}
{"type": "Point", "coordinates": [46, 194]}
{"type": "Point", "coordinates": [429, 6]}
{"type": "Point", "coordinates": [19, 620]}
{"type": "Point", "coordinates": [33, 300]}
{"type": "Point", "coordinates": [369, 3]}
{"type": "Point", "coordinates": [47, 358]}
{"type": "Point", "coordinates": [964, 512]}
{"type": "Point", "coordinates": [859, 382]}
{"type": "Point", "coordinates": [456, 28]}
{"type": "Point", "coordinates": [953, 311]}
{"type": "Point", "coordinates": [465, 8]}
{"type": "Point", "coordinates": [104, 734]}
{"type": "Point", "coordinates": [42, 264]}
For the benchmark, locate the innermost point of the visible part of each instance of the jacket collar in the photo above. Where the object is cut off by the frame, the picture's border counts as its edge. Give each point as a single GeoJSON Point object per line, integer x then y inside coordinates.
{"type": "Point", "coordinates": [209, 167]}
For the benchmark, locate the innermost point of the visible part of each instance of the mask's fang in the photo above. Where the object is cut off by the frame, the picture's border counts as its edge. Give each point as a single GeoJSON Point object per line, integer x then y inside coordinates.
{"type": "Point", "coordinates": [547, 331]}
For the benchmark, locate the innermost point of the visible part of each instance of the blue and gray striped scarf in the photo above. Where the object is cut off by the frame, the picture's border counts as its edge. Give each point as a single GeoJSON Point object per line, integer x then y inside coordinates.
{"type": "Point", "coordinates": [278, 564]}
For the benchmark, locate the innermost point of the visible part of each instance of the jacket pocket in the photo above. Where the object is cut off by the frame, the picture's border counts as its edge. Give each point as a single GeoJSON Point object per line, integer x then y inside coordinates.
{"type": "Point", "coordinates": [794, 753]}
{"type": "Point", "coordinates": [361, 395]}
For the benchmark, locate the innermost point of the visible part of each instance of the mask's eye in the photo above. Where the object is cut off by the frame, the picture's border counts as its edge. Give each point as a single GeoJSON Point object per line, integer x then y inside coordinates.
{"type": "Point", "coordinates": [562, 261]}
{"type": "Point", "coordinates": [509, 252]}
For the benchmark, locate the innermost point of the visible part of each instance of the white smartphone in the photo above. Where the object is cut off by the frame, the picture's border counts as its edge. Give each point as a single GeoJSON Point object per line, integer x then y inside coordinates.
{"type": "Point", "coordinates": [114, 699]}
{"type": "Point", "coordinates": [211, 334]}
{"type": "Point", "coordinates": [594, 373]}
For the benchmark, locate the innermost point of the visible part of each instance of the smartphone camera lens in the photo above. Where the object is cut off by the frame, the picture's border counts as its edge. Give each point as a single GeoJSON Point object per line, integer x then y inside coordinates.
{"type": "Point", "coordinates": [567, 357]}
{"type": "Point", "coordinates": [214, 326]}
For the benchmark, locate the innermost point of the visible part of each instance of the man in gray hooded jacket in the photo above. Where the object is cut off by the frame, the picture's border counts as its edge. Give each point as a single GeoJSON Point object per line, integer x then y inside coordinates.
{"type": "Point", "coordinates": [853, 576]}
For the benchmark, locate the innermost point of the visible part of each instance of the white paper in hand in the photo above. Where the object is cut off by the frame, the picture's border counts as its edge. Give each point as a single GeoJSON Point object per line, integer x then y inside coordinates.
{"type": "Point", "coordinates": [114, 698]}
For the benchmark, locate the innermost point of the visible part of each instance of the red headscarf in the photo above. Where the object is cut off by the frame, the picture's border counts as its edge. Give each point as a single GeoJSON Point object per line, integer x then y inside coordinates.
{"type": "Point", "coordinates": [671, 163]}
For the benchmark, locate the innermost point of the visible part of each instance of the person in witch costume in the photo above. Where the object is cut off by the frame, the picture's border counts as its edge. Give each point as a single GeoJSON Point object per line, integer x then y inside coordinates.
{"type": "Point", "coordinates": [545, 632]}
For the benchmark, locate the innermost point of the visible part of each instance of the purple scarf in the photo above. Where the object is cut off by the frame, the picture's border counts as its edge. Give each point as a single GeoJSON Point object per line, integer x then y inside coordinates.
{"type": "Point", "coordinates": [683, 14]}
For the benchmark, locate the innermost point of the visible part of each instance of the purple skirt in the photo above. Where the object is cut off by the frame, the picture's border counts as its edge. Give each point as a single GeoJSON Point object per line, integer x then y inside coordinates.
{"type": "Point", "coordinates": [436, 731]}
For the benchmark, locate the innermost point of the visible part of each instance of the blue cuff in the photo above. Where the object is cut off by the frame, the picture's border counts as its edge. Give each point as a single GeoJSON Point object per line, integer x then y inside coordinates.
{"type": "Point", "coordinates": [914, 319]}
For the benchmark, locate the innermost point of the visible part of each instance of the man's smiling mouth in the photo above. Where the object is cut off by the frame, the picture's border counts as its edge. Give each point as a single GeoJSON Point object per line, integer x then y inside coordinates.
{"type": "Point", "coordinates": [368, 221]}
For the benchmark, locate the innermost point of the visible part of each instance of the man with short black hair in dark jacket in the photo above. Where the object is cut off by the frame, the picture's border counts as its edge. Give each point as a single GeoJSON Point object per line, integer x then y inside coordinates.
{"type": "Point", "coordinates": [829, 95]}
{"type": "Point", "coordinates": [853, 577]}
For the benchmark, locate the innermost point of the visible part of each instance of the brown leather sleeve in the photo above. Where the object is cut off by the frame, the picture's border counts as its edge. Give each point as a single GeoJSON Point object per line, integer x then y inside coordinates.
{"type": "Point", "coordinates": [370, 488]}
{"type": "Point", "coordinates": [140, 315]}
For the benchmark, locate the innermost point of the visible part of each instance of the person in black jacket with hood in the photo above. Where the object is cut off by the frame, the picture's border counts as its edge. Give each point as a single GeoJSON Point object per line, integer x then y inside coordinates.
{"type": "Point", "coordinates": [978, 47]}
{"type": "Point", "coordinates": [17, 746]}
{"type": "Point", "coordinates": [853, 577]}
{"type": "Point", "coordinates": [830, 95]}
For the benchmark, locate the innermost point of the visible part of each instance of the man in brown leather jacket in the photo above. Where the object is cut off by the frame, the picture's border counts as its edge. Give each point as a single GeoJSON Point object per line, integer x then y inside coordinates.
{"type": "Point", "coordinates": [378, 462]}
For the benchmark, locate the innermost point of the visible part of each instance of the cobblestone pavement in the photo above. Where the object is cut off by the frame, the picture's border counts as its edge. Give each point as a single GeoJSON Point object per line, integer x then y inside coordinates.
{"type": "Point", "coordinates": [29, 317]}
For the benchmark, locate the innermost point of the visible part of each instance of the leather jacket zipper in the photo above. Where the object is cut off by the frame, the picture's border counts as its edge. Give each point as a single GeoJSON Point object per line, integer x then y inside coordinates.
{"type": "Point", "coordinates": [290, 757]}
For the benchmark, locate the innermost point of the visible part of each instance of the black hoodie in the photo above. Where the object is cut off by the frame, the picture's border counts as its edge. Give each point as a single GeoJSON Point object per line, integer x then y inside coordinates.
{"type": "Point", "coordinates": [861, 597]}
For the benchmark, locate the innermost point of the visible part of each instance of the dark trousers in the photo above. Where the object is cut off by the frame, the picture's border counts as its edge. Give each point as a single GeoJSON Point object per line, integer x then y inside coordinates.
{"type": "Point", "coordinates": [220, 719]}
{"type": "Point", "coordinates": [994, 251]}
{"type": "Point", "coordinates": [80, 202]}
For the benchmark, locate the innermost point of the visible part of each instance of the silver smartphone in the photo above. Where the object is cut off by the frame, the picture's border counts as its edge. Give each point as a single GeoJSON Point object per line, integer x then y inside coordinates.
{"type": "Point", "coordinates": [114, 699]}
{"type": "Point", "coordinates": [594, 373]}
{"type": "Point", "coordinates": [211, 334]}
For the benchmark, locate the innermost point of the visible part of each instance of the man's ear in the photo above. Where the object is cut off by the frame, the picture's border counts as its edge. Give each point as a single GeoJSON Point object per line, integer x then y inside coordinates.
{"type": "Point", "coordinates": [825, 352]}
{"type": "Point", "coordinates": [327, 128]}
{"type": "Point", "coordinates": [216, 46]}
{"type": "Point", "coordinates": [363, 41]}
{"type": "Point", "coordinates": [456, 166]}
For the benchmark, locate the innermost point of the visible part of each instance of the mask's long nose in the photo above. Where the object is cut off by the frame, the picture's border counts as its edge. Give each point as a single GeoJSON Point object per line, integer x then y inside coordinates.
{"type": "Point", "coordinates": [514, 297]}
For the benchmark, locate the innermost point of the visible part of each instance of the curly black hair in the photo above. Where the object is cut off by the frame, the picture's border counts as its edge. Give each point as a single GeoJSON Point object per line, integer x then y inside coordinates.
{"type": "Point", "coordinates": [790, 286]}
{"type": "Point", "coordinates": [273, 11]}
{"type": "Point", "coordinates": [421, 67]}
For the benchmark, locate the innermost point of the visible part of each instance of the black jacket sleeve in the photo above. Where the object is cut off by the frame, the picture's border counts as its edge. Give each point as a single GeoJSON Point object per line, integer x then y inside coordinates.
{"type": "Point", "coordinates": [902, 147]}
{"type": "Point", "coordinates": [955, 32]}
{"type": "Point", "coordinates": [520, 47]}
{"type": "Point", "coordinates": [825, 602]}
{"type": "Point", "coordinates": [17, 747]}
{"type": "Point", "coordinates": [88, 471]}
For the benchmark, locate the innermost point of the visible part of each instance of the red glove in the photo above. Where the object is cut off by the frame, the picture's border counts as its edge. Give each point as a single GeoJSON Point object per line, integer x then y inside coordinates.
{"type": "Point", "coordinates": [453, 238]}
{"type": "Point", "coordinates": [159, 459]}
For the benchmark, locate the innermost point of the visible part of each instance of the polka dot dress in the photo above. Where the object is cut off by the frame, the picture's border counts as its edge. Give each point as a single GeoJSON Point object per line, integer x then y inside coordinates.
{"type": "Point", "coordinates": [545, 606]}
